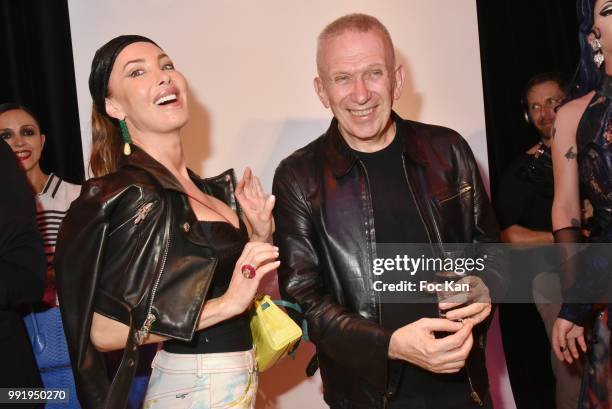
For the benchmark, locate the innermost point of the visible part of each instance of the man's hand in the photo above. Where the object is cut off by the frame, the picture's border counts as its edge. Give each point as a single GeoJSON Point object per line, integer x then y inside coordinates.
{"type": "Point", "coordinates": [477, 302]}
{"type": "Point", "coordinates": [417, 344]}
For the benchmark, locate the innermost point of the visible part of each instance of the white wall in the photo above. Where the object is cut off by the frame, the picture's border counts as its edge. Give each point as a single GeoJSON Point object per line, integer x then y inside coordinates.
{"type": "Point", "coordinates": [250, 66]}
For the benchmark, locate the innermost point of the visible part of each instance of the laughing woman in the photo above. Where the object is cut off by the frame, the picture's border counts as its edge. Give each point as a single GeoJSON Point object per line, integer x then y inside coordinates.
{"type": "Point", "coordinates": [152, 253]}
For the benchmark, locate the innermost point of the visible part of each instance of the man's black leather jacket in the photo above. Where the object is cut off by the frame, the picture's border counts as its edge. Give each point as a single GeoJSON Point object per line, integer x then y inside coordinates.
{"type": "Point", "coordinates": [325, 231]}
{"type": "Point", "coordinates": [126, 250]}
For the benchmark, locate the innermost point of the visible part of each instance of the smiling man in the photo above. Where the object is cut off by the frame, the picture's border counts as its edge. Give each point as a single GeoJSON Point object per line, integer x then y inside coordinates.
{"type": "Point", "coordinates": [375, 178]}
{"type": "Point", "coordinates": [526, 190]}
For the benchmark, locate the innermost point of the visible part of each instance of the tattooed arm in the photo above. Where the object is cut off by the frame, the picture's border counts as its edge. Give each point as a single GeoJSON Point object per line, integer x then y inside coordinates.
{"type": "Point", "coordinates": [566, 203]}
{"type": "Point", "coordinates": [568, 330]}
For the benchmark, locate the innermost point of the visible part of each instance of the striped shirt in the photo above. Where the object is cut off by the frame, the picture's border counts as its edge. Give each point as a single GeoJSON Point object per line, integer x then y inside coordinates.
{"type": "Point", "coordinates": [52, 204]}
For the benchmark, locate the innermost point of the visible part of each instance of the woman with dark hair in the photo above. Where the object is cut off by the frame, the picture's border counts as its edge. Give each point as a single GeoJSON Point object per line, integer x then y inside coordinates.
{"type": "Point", "coordinates": [582, 165]}
{"type": "Point", "coordinates": [20, 129]}
{"type": "Point", "coordinates": [152, 253]}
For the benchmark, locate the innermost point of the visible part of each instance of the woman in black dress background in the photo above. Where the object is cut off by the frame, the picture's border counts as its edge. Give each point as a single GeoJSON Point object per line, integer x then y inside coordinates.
{"type": "Point", "coordinates": [582, 164]}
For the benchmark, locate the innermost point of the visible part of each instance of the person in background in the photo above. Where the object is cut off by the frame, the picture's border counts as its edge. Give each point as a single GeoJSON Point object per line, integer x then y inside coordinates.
{"type": "Point", "coordinates": [21, 131]}
{"type": "Point", "coordinates": [523, 204]}
{"type": "Point", "coordinates": [582, 166]}
{"type": "Point", "coordinates": [526, 190]}
{"type": "Point", "coordinates": [22, 275]}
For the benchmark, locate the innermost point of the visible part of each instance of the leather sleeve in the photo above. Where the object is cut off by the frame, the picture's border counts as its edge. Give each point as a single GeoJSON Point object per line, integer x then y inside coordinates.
{"type": "Point", "coordinates": [78, 264]}
{"type": "Point", "coordinates": [485, 230]}
{"type": "Point", "coordinates": [23, 265]}
{"type": "Point", "coordinates": [355, 343]}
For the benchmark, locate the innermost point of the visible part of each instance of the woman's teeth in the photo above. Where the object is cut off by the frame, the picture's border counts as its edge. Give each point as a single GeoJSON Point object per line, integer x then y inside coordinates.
{"type": "Point", "coordinates": [165, 99]}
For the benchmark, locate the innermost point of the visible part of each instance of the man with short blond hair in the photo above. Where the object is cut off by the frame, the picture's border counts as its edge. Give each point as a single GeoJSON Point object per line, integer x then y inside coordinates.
{"type": "Point", "coordinates": [358, 23]}
{"type": "Point", "coordinates": [373, 178]}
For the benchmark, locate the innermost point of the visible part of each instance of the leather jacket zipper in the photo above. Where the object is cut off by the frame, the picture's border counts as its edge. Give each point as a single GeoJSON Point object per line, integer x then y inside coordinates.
{"type": "Point", "coordinates": [142, 212]}
{"type": "Point", "coordinates": [143, 332]}
{"type": "Point", "coordinates": [385, 398]}
{"type": "Point", "coordinates": [139, 216]}
{"type": "Point", "coordinates": [373, 238]}
{"type": "Point", "coordinates": [417, 203]}
{"type": "Point", "coordinates": [465, 188]}
{"type": "Point", "coordinates": [474, 395]}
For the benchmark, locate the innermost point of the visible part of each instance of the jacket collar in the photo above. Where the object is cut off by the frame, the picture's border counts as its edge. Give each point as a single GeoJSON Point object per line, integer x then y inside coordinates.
{"type": "Point", "coordinates": [140, 159]}
{"type": "Point", "coordinates": [341, 157]}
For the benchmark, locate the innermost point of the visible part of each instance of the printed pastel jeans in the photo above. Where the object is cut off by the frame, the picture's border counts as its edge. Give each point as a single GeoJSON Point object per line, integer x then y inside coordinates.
{"type": "Point", "coordinates": [202, 381]}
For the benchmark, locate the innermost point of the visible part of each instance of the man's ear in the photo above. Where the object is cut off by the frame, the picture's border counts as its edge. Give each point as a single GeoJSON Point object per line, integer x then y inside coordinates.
{"type": "Point", "coordinates": [320, 90]}
{"type": "Point", "coordinates": [113, 109]}
{"type": "Point", "coordinates": [398, 86]}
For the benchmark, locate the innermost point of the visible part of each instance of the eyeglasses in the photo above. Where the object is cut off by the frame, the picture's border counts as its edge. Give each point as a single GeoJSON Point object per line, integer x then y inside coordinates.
{"type": "Point", "coordinates": [549, 103]}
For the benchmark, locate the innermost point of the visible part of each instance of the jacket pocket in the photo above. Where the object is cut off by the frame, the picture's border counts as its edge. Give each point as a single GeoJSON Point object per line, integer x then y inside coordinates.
{"type": "Point", "coordinates": [454, 212]}
{"type": "Point", "coordinates": [464, 189]}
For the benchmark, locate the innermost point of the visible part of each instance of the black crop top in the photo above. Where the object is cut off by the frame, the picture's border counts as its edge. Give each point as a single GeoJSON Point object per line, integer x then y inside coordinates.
{"type": "Point", "coordinates": [233, 334]}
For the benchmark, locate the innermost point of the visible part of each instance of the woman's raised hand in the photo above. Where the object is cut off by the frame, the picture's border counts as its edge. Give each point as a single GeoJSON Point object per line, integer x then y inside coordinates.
{"type": "Point", "coordinates": [255, 262]}
{"type": "Point", "coordinates": [257, 206]}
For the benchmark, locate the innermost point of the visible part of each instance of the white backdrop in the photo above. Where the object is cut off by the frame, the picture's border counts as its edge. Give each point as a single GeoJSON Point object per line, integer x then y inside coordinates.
{"type": "Point", "coordinates": [250, 65]}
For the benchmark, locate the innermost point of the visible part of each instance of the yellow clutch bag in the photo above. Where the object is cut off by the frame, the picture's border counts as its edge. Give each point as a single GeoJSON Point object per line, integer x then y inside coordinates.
{"type": "Point", "coordinates": [274, 332]}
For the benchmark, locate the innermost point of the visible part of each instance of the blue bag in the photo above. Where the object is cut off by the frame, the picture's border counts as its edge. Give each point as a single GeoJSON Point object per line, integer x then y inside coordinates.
{"type": "Point", "coordinates": [46, 334]}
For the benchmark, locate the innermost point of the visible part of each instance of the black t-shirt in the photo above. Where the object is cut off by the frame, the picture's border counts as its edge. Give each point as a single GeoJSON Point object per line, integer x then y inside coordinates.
{"type": "Point", "coordinates": [524, 199]}
{"type": "Point", "coordinates": [397, 220]}
{"type": "Point", "coordinates": [233, 334]}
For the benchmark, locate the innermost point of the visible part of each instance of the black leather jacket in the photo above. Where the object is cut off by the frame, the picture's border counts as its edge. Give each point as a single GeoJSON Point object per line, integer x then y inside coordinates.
{"type": "Point", "coordinates": [126, 250]}
{"type": "Point", "coordinates": [325, 231]}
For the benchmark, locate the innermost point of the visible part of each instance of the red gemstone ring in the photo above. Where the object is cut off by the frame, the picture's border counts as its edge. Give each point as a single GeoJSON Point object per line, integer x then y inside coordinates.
{"type": "Point", "coordinates": [248, 271]}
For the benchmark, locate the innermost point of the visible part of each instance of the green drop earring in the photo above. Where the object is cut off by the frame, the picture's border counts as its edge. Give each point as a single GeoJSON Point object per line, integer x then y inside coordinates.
{"type": "Point", "coordinates": [127, 139]}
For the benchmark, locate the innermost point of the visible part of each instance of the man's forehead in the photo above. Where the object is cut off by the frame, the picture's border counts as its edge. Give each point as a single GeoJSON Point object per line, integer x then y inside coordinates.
{"type": "Point", "coordinates": [351, 46]}
{"type": "Point", "coordinates": [354, 38]}
{"type": "Point", "coordinates": [544, 91]}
